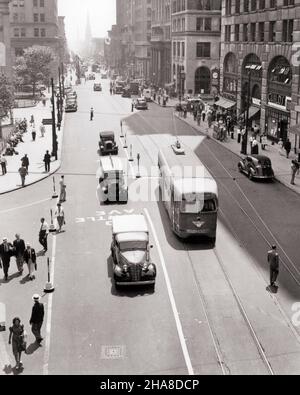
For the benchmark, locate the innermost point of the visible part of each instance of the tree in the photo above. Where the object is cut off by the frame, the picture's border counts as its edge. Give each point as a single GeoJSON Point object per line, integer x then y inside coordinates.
{"type": "Point", "coordinates": [35, 66]}
{"type": "Point", "coordinates": [6, 98]}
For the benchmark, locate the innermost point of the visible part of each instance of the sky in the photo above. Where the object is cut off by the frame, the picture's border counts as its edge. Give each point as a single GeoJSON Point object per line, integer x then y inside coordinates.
{"type": "Point", "coordinates": [102, 15]}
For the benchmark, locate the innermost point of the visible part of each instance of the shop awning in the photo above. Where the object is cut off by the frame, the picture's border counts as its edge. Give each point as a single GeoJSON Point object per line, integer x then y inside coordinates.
{"type": "Point", "coordinates": [252, 112]}
{"type": "Point", "coordinates": [295, 129]}
{"type": "Point", "coordinates": [225, 103]}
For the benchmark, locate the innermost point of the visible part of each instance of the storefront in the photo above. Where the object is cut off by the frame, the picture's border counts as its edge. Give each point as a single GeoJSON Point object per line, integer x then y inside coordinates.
{"type": "Point", "coordinates": [277, 123]}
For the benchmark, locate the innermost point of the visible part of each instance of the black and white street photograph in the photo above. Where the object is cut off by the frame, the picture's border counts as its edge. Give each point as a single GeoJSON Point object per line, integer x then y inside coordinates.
{"type": "Point", "coordinates": [149, 190]}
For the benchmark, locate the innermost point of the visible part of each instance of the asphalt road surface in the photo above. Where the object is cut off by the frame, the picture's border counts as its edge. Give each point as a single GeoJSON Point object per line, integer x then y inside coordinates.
{"type": "Point", "coordinates": [210, 312]}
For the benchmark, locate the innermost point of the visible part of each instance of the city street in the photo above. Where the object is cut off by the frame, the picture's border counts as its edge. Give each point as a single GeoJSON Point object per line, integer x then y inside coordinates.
{"type": "Point", "coordinates": [211, 311]}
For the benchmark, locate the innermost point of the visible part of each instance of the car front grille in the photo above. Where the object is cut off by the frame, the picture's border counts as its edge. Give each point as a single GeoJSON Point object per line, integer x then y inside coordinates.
{"type": "Point", "coordinates": [135, 272]}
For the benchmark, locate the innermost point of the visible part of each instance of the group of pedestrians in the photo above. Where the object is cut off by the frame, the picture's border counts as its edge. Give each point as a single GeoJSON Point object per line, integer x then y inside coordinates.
{"type": "Point", "coordinates": [18, 335]}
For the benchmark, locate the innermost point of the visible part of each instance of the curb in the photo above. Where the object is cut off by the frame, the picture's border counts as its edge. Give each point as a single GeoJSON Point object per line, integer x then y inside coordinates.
{"type": "Point", "coordinates": [287, 185]}
{"type": "Point", "coordinates": [45, 176]}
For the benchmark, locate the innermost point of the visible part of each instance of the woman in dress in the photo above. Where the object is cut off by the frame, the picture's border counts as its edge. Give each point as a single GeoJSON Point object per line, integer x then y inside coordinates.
{"type": "Point", "coordinates": [16, 338]}
{"type": "Point", "coordinates": [30, 259]}
{"type": "Point", "coordinates": [60, 216]}
{"type": "Point", "coordinates": [63, 194]}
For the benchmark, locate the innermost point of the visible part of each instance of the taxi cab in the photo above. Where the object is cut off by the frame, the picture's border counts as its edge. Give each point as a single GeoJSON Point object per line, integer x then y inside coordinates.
{"type": "Point", "coordinates": [130, 251]}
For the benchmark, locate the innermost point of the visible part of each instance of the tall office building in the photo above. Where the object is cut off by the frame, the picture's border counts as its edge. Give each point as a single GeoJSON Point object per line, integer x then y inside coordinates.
{"type": "Point", "coordinates": [5, 41]}
{"type": "Point", "coordinates": [196, 36]}
{"type": "Point", "coordinates": [260, 57]}
{"type": "Point", "coordinates": [34, 22]}
{"type": "Point", "coordinates": [161, 50]}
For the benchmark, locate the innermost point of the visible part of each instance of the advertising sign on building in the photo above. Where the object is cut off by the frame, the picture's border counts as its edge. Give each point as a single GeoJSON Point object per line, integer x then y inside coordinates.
{"type": "Point", "coordinates": [215, 77]}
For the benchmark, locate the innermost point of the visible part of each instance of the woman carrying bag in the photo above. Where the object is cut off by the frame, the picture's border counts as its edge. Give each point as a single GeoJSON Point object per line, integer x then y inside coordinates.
{"type": "Point", "coordinates": [17, 337]}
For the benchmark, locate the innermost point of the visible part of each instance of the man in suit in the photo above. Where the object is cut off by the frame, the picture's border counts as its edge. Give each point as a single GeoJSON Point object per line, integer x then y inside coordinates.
{"type": "Point", "coordinates": [37, 318]}
{"type": "Point", "coordinates": [19, 249]}
{"type": "Point", "coordinates": [273, 260]}
{"type": "Point", "coordinates": [30, 259]}
{"type": "Point", "coordinates": [47, 161]}
{"type": "Point", "coordinates": [43, 234]}
{"type": "Point", "coordinates": [6, 250]}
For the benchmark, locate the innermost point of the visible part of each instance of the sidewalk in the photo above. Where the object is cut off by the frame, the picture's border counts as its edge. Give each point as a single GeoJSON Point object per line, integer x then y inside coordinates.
{"type": "Point", "coordinates": [281, 165]}
{"type": "Point", "coordinates": [35, 150]}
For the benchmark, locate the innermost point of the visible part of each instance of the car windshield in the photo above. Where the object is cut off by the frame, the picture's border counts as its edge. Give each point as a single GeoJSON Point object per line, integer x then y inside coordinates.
{"type": "Point", "coordinates": [133, 246]}
{"type": "Point", "coordinates": [193, 204]}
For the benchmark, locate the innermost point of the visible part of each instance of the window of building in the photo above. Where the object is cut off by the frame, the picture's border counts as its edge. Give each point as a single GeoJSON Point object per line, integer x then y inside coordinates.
{"type": "Point", "coordinates": [228, 7]}
{"type": "Point", "coordinates": [288, 2]}
{"type": "Point", "coordinates": [43, 32]}
{"type": "Point", "coordinates": [35, 3]}
{"type": "Point", "coordinates": [183, 24]}
{"type": "Point", "coordinates": [272, 34]}
{"type": "Point", "coordinates": [42, 3]}
{"type": "Point", "coordinates": [15, 3]}
{"type": "Point", "coordinates": [207, 24]}
{"type": "Point", "coordinates": [22, 3]}
{"type": "Point", "coordinates": [23, 32]}
{"type": "Point", "coordinates": [227, 33]}
{"type": "Point", "coordinates": [246, 5]}
{"type": "Point", "coordinates": [203, 50]}
{"type": "Point", "coordinates": [273, 3]}
{"type": "Point", "coordinates": [178, 49]}
{"type": "Point", "coordinates": [245, 32]}
{"type": "Point", "coordinates": [261, 31]}
{"type": "Point", "coordinates": [253, 32]}
{"type": "Point", "coordinates": [237, 6]}
{"type": "Point", "coordinates": [36, 32]}
{"type": "Point", "coordinates": [287, 30]}
{"type": "Point", "coordinates": [35, 18]}
{"type": "Point", "coordinates": [183, 50]}
{"type": "Point", "coordinates": [15, 17]}
{"type": "Point", "coordinates": [253, 5]}
{"type": "Point", "coordinates": [262, 4]}
{"type": "Point", "coordinates": [42, 18]}
{"type": "Point", "coordinates": [199, 24]}
{"type": "Point", "coordinates": [16, 32]}
{"type": "Point", "coordinates": [203, 24]}
{"type": "Point", "coordinates": [237, 33]}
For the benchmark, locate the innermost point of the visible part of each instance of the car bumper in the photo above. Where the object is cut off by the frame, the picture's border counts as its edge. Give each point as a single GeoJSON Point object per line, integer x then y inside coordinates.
{"type": "Point", "coordinates": [128, 283]}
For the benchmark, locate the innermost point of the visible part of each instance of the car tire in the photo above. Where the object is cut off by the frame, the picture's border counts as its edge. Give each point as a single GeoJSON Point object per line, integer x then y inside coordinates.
{"type": "Point", "coordinates": [250, 175]}
{"type": "Point", "coordinates": [240, 168]}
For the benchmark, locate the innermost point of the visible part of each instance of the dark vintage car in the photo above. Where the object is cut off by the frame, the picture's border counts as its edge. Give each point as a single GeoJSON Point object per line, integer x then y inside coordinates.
{"type": "Point", "coordinates": [126, 92]}
{"type": "Point", "coordinates": [107, 144]}
{"type": "Point", "coordinates": [71, 105]}
{"type": "Point", "coordinates": [119, 89]}
{"type": "Point", "coordinates": [141, 104]}
{"type": "Point", "coordinates": [71, 95]}
{"type": "Point", "coordinates": [97, 88]}
{"type": "Point", "coordinates": [91, 76]}
{"type": "Point", "coordinates": [256, 166]}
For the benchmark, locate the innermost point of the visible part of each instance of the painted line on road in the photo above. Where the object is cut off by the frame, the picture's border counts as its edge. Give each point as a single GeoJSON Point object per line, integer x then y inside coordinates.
{"type": "Point", "coordinates": [25, 206]}
{"type": "Point", "coordinates": [127, 155]}
{"type": "Point", "coordinates": [49, 314]}
{"type": "Point", "coordinates": [172, 299]}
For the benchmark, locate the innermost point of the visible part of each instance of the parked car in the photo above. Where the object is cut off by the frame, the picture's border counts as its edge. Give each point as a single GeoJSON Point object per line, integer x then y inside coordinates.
{"type": "Point", "coordinates": [141, 104]}
{"type": "Point", "coordinates": [71, 105]}
{"type": "Point", "coordinates": [147, 94]}
{"type": "Point", "coordinates": [113, 186]}
{"type": "Point", "coordinates": [71, 95]}
{"type": "Point", "coordinates": [91, 77]}
{"type": "Point", "coordinates": [130, 250]}
{"type": "Point", "coordinates": [107, 144]}
{"type": "Point", "coordinates": [97, 88]}
{"type": "Point", "coordinates": [256, 166]}
{"type": "Point", "coordinates": [126, 92]}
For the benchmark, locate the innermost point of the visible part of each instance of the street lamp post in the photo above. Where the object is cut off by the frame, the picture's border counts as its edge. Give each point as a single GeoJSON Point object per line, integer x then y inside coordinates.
{"type": "Point", "coordinates": [54, 136]}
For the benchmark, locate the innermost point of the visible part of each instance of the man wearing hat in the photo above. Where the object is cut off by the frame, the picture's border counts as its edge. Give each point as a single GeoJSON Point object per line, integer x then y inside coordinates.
{"type": "Point", "coordinates": [37, 318]}
{"type": "Point", "coordinates": [273, 259]}
{"type": "Point", "coordinates": [6, 250]}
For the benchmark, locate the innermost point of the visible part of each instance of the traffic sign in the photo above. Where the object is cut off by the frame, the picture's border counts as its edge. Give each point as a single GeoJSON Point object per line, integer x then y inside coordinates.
{"type": "Point", "coordinates": [47, 121]}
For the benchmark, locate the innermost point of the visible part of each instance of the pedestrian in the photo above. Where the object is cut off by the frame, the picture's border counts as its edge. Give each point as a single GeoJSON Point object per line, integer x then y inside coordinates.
{"type": "Point", "coordinates": [43, 234]}
{"type": "Point", "coordinates": [203, 115]}
{"type": "Point", "coordinates": [132, 106]}
{"type": "Point", "coordinates": [3, 163]}
{"type": "Point", "coordinates": [255, 148]}
{"type": "Point", "coordinates": [19, 249]}
{"type": "Point", "coordinates": [44, 102]}
{"type": "Point", "coordinates": [42, 130]}
{"type": "Point", "coordinates": [295, 170]}
{"type": "Point", "coordinates": [63, 194]}
{"type": "Point", "coordinates": [280, 146]}
{"type": "Point", "coordinates": [199, 117]}
{"type": "Point", "coordinates": [25, 162]}
{"type": "Point", "coordinates": [32, 120]}
{"type": "Point", "coordinates": [185, 112]}
{"type": "Point", "coordinates": [23, 173]}
{"type": "Point", "coordinates": [195, 113]}
{"type": "Point", "coordinates": [159, 99]}
{"type": "Point", "coordinates": [37, 318]}
{"type": "Point", "coordinates": [30, 259]}
{"type": "Point", "coordinates": [18, 340]}
{"type": "Point", "coordinates": [264, 142]}
{"type": "Point", "coordinates": [6, 251]}
{"type": "Point", "coordinates": [287, 147]}
{"type": "Point", "coordinates": [47, 161]}
{"type": "Point", "coordinates": [60, 216]}
{"type": "Point", "coordinates": [273, 260]}
{"type": "Point", "coordinates": [91, 114]}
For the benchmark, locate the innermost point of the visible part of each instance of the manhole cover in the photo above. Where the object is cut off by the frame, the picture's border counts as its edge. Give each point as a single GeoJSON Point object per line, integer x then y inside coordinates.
{"type": "Point", "coordinates": [113, 352]}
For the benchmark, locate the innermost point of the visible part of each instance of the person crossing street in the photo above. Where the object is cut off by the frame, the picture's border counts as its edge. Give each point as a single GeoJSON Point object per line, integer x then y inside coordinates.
{"type": "Point", "coordinates": [43, 234]}
{"type": "Point", "coordinates": [37, 318]}
{"type": "Point", "coordinates": [92, 114]}
{"type": "Point", "coordinates": [273, 260]}
{"type": "Point", "coordinates": [19, 249]}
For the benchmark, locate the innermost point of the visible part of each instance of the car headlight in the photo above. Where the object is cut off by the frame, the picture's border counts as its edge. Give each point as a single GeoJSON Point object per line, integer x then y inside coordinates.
{"type": "Point", "coordinates": [125, 268]}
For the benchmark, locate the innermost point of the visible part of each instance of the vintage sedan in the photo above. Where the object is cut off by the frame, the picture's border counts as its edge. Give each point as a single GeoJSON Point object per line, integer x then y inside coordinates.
{"type": "Point", "coordinates": [141, 104]}
{"type": "Point", "coordinates": [97, 88]}
{"type": "Point", "coordinates": [71, 105]}
{"type": "Point", "coordinates": [256, 167]}
{"type": "Point", "coordinates": [107, 144]}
